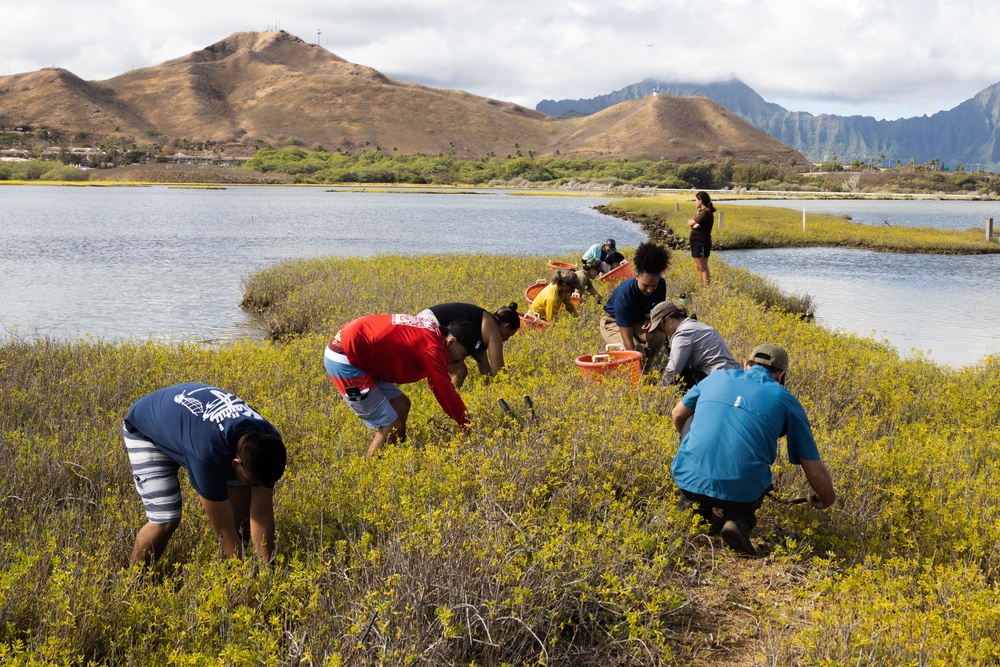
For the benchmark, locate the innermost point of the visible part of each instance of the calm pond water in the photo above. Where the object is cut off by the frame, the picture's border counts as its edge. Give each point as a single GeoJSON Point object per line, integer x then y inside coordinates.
{"type": "Point", "coordinates": [942, 306]}
{"type": "Point", "coordinates": [165, 263]}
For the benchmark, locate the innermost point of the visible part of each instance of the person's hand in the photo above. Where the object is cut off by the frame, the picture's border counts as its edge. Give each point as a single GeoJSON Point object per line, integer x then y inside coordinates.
{"type": "Point", "coordinates": [816, 502]}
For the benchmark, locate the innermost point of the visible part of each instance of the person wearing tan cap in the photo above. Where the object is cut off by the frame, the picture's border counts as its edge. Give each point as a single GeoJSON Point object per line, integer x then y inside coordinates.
{"type": "Point", "coordinates": [558, 293]}
{"type": "Point", "coordinates": [724, 461]}
{"type": "Point", "coordinates": [696, 349]}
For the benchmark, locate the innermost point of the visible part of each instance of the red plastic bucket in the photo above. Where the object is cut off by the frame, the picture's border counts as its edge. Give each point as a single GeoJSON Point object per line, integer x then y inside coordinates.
{"type": "Point", "coordinates": [613, 363]}
{"type": "Point", "coordinates": [618, 274]}
{"type": "Point", "coordinates": [556, 266]}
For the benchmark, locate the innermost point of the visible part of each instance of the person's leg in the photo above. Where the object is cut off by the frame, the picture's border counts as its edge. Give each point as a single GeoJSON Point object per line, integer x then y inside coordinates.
{"type": "Point", "coordinates": [610, 332]}
{"type": "Point", "coordinates": [155, 478]}
{"type": "Point", "coordinates": [740, 519]}
{"type": "Point", "coordinates": [151, 541]}
{"type": "Point", "coordinates": [704, 507]}
{"type": "Point", "coordinates": [701, 266]}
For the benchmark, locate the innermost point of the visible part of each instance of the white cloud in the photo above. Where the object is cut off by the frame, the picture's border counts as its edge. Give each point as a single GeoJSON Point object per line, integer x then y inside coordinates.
{"type": "Point", "coordinates": [888, 59]}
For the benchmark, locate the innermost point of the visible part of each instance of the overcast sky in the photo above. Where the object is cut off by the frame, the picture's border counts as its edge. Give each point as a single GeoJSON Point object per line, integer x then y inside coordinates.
{"type": "Point", "coordinates": [882, 58]}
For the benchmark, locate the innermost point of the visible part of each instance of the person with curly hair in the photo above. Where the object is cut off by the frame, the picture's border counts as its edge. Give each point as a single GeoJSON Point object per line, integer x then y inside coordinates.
{"type": "Point", "coordinates": [629, 305]}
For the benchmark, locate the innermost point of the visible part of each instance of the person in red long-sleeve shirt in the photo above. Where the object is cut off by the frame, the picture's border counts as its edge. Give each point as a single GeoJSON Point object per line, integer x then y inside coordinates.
{"type": "Point", "coordinates": [371, 355]}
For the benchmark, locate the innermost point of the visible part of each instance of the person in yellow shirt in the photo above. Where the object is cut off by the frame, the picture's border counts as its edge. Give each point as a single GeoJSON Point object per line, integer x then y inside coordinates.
{"type": "Point", "coordinates": [557, 293]}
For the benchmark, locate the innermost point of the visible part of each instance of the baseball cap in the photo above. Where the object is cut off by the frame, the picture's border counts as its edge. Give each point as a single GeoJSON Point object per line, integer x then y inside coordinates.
{"type": "Point", "coordinates": [466, 333]}
{"type": "Point", "coordinates": [771, 356]}
{"type": "Point", "coordinates": [662, 310]}
{"type": "Point", "coordinates": [611, 244]}
{"type": "Point", "coordinates": [592, 263]}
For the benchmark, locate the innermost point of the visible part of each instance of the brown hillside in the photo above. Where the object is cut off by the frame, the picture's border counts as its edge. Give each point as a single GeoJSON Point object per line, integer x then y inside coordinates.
{"type": "Point", "coordinates": [272, 86]}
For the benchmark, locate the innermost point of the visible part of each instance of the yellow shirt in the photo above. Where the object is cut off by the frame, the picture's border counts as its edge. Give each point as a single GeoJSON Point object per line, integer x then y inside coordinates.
{"type": "Point", "coordinates": [548, 301]}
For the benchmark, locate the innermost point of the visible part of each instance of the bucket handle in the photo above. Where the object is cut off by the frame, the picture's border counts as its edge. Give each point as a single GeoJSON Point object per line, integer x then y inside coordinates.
{"type": "Point", "coordinates": [532, 315]}
{"type": "Point", "coordinates": [601, 358]}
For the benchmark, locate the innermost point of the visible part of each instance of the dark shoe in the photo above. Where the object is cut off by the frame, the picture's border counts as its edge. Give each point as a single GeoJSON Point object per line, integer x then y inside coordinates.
{"type": "Point", "coordinates": [737, 536]}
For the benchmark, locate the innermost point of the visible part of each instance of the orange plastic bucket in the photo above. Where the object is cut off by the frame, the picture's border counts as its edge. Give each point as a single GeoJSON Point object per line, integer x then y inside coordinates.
{"type": "Point", "coordinates": [531, 320]}
{"type": "Point", "coordinates": [555, 266]}
{"type": "Point", "coordinates": [618, 274]}
{"type": "Point", "coordinates": [613, 363]}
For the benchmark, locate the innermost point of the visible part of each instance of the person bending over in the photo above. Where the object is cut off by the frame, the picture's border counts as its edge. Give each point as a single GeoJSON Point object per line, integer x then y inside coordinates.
{"type": "Point", "coordinates": [233, 458]}
{"type": "Point", "coordinates": [495, 329]}
{"type": "Point", "coordinates": [370, 356]}
{"type": "Point", "coordinates": [696, 349]}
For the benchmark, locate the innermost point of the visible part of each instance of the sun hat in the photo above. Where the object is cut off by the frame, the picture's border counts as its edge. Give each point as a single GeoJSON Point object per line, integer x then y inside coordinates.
{"type": "Point", "coordinates": [771, 356]}
{"type": "Point", "coordinates": [466, 333]}
{"type": "Point", "coordinates": [660, 311]}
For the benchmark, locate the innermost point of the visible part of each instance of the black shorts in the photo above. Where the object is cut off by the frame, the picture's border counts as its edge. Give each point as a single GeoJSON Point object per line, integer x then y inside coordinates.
{"type": "Point", "coordinates": [701, 249]}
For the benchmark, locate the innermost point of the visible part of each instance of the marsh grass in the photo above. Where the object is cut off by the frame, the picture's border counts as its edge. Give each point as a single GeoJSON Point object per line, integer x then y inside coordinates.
{"type": "Point", "coordinates": [748, 227]}
{"type": "Point", "coordinates": [551, 542]}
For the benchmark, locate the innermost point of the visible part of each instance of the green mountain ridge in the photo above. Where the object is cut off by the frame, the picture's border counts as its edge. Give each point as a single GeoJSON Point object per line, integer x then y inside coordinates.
{"type": "Point", "coordinates": [966, 135]}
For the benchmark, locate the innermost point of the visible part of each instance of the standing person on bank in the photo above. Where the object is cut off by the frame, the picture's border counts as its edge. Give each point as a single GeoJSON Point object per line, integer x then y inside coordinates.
{"type": "Point", "coordinates": [629, 305]}
{"type": "Point", "coordinates": [557, 294]}
{"type": "Point", "coordinates": [701, 235]}
{"type": "Point", "coordinates": [371, 355]}
{"type": "Point", "coordinates": [696, 349]}
{"type": "Point", "coordinates": [233, 457]}
{"type": "Point", "coordinates": [495, 329]}
{"type": "Point", "coordinates": [725, 459]}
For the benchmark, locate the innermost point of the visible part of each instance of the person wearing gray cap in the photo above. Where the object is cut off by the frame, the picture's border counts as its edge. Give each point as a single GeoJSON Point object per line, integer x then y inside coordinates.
{"type": "Point", "coordinates": [600, 250]}
{"type": "Point", "coordinates": [696, 349]}
{"type": "Point", "coordinates": [725, 459]}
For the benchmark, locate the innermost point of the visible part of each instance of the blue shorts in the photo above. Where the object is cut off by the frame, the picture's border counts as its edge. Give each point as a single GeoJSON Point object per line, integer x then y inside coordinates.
{"type": "Point", "coordinates": [366, 395]}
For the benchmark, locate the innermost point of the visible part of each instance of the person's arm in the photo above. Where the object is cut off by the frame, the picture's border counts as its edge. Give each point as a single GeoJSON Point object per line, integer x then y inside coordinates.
{"type": "Point", "coordinates": [262, 522]}
{"type": "Point", "coordinates": [443, 388]}
{"type": "Point", "coordinates": [695, 222]}
{"type": "Point", "coordinates": [220, 515]}
{"type": "Point", "coordinates": [823, 494]}
{"type": "Point", "coordinates": [680, 415]}
{"type": "Point", "coordinates": [592, 291]}
{"type": "Point", "coordinates": [567, 300]}
{"type": "Point", "coordinates": [680, 354]}
{"type": "Point", "coordinates": [494, 346]}
{"type": "Point", "coordinates": [628, 339]}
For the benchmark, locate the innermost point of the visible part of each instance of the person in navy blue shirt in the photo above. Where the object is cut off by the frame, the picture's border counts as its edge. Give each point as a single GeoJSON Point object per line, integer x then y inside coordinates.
{"type": "Point", "coordinates": [629, 305]}
{"type": "Point", "coordinates": [233, 457]}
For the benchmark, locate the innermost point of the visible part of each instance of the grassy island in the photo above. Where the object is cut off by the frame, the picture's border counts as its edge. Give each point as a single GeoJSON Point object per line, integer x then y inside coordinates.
{"type": "Point", "coordinates": [554, 542]}
{"type": "Point", "coordinates": [748, 227]}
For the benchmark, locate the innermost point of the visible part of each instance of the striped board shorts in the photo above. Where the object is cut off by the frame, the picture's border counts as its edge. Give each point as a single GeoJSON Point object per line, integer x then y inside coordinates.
{"type": "Point", "coordinates": [155, 477]}
{"type": "Point", "coordinates": [367, 396]}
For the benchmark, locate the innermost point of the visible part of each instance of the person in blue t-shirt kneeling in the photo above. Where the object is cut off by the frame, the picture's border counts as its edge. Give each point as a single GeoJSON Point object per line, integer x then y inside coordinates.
{"type": "Point", "coordinates": [724, 461]}
{"type": "Point", "coordinates": [233, 458]}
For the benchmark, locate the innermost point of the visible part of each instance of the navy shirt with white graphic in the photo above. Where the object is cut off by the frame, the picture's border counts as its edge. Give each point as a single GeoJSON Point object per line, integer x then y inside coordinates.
{"type": "Point", "coordinates": [197, 426]}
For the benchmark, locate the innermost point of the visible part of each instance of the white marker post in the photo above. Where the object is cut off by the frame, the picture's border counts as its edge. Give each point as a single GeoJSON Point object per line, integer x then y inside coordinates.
{"type": "Point", "coordinates": [803, 220]}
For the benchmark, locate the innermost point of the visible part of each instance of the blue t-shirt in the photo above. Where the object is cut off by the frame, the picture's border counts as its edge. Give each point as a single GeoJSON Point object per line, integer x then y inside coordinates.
{"type": "Point", "coordinates": [197, 426]}
{"type": "Point", "coordinates": [739, 416]}
{"type": "Point", "coordinates": [595, 251]}
{"type": "Point", "coordinates": [630, 307]}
